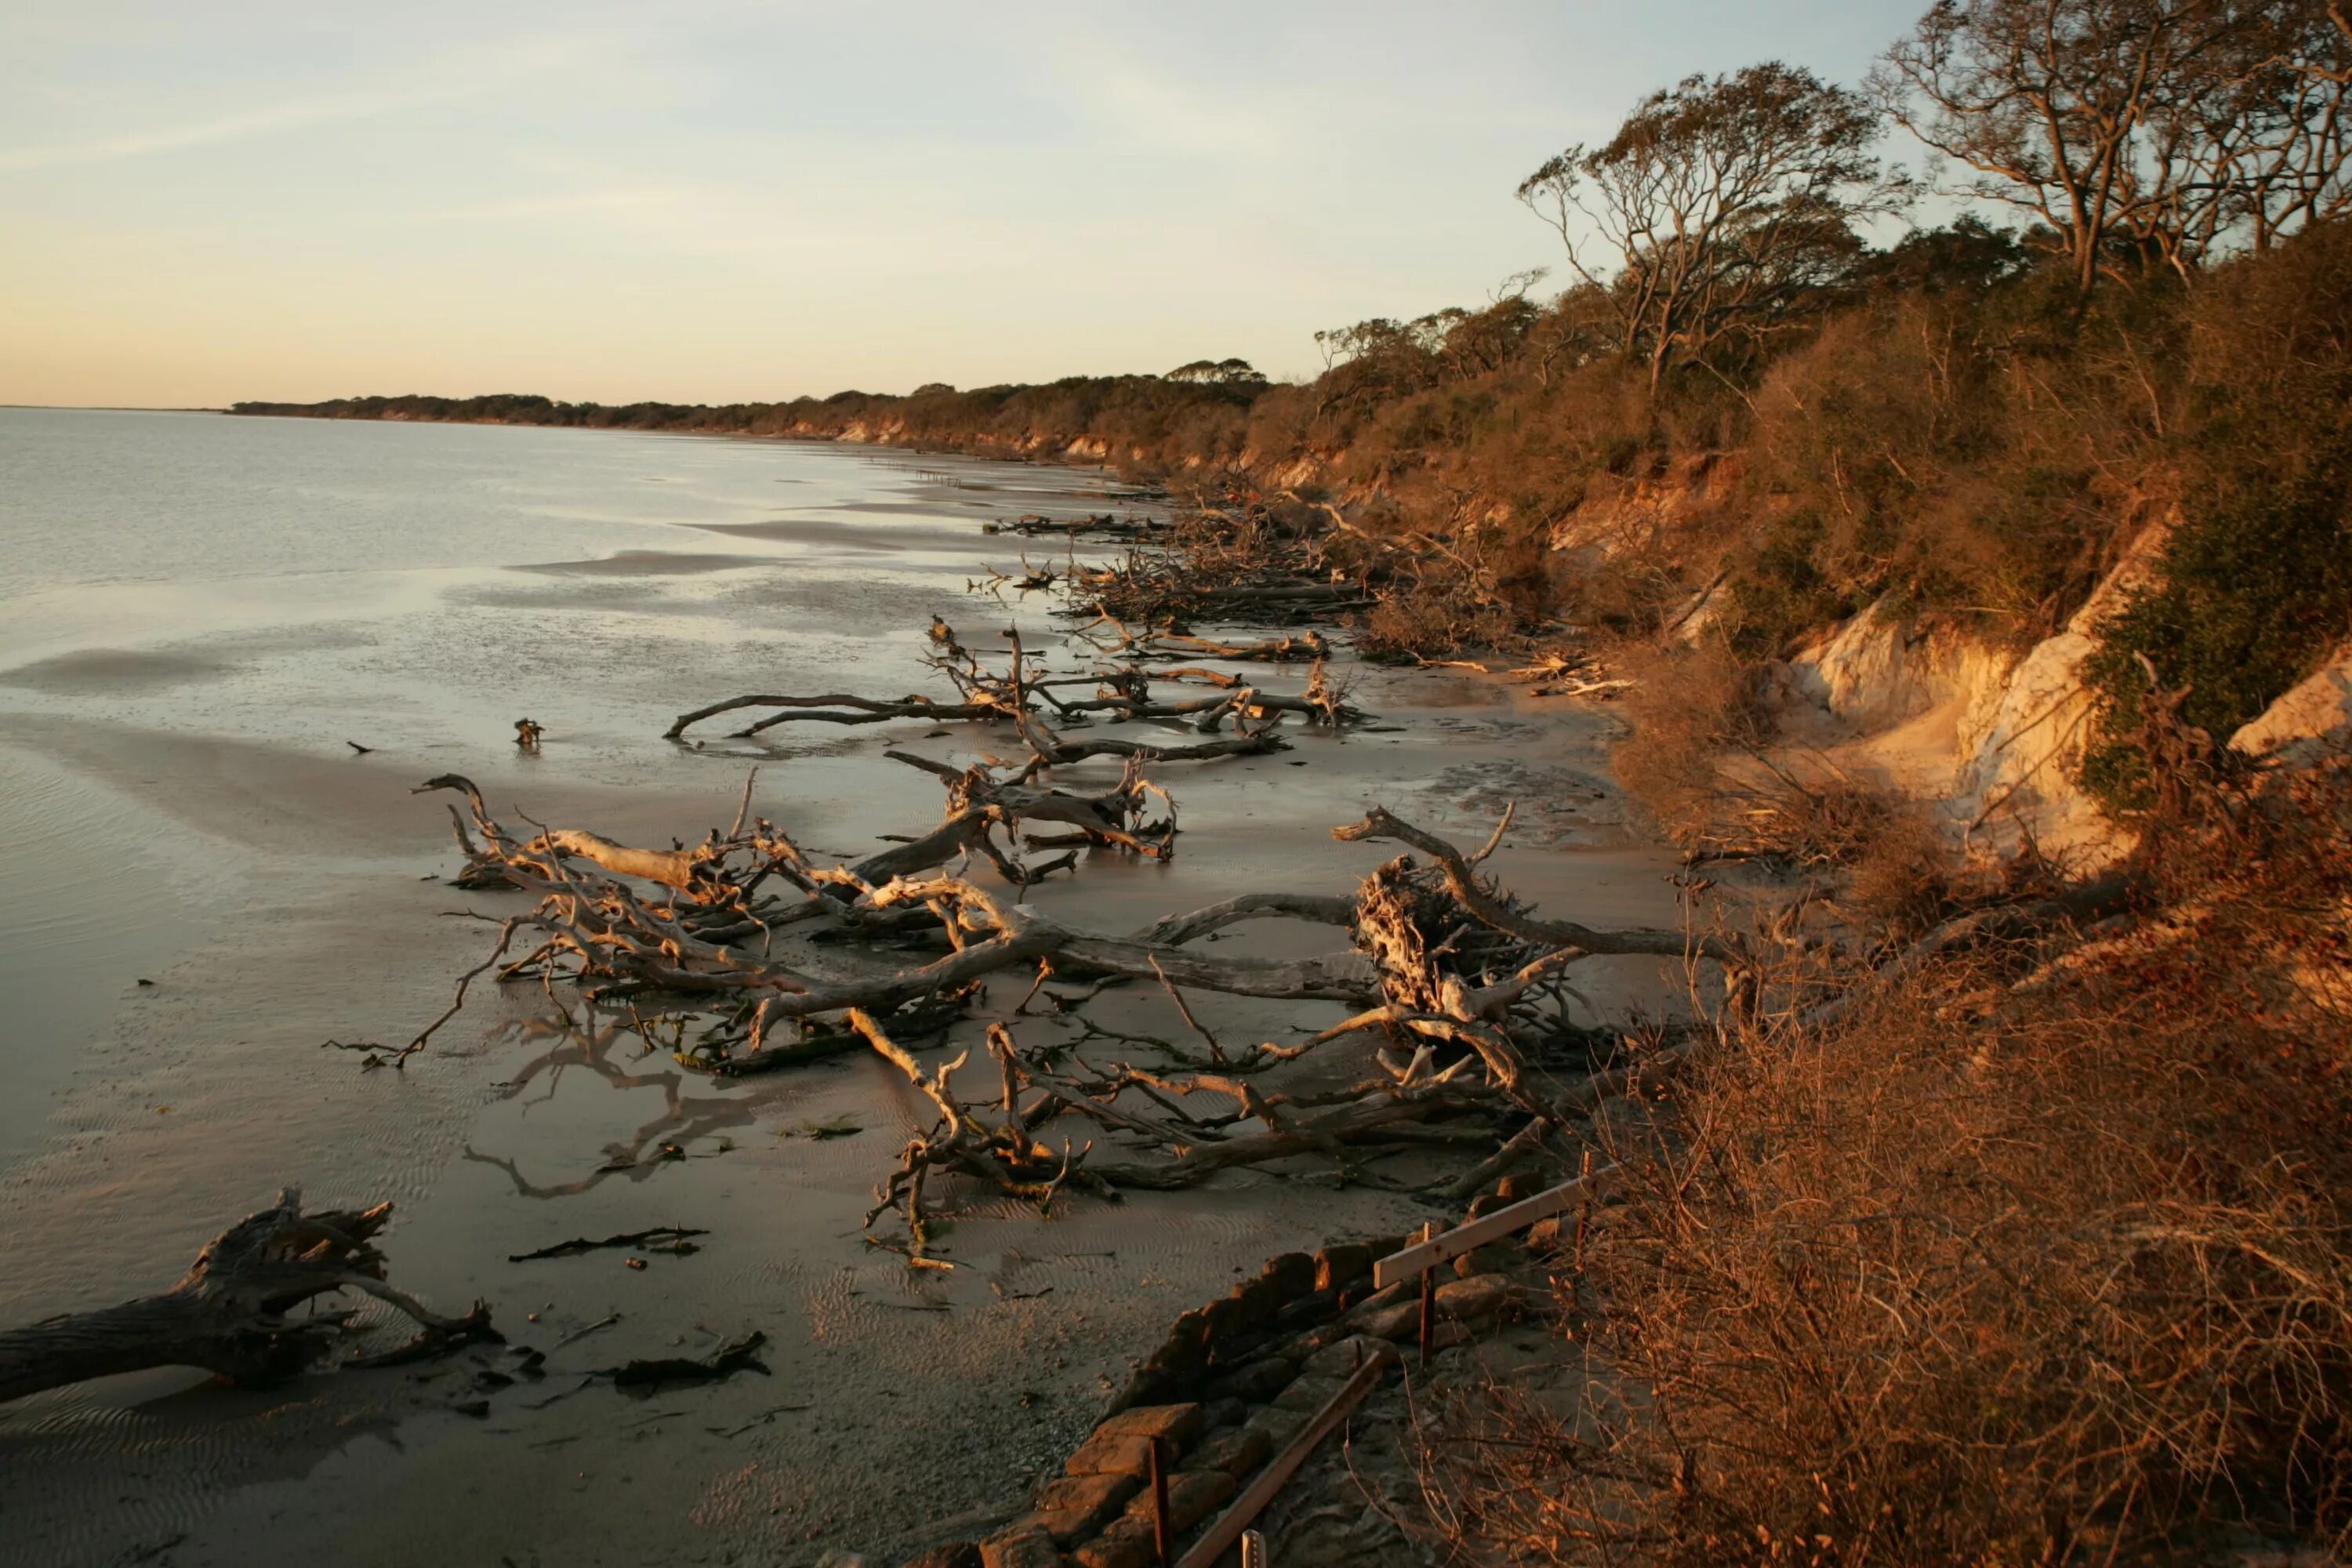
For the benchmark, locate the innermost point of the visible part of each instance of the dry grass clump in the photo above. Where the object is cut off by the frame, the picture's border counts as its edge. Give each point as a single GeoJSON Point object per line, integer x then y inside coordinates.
{"type": "Point", "coordinates": [2023, 1262]}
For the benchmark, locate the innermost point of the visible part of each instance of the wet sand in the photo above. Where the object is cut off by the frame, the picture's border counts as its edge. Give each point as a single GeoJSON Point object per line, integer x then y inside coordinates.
{"type": "Point", "coordinates": [304, 903]}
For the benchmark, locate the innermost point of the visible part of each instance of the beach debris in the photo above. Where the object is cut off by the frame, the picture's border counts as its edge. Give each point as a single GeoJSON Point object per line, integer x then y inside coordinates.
{"type": "Point", "coordinates": [842, 1126]}
{"type": "Point", "coordinates": [578, 1334]}
{"type": "Point", "coordinates": [357, 748]}
{"type": "Point", "coordinates": [669, 1239]}
{"type": "Point", "coordinates": [1023, 694]}
{"type": "Point", "coordinates": [647, 1375]}
{"type": "Point", "coordinates": [229, 1314]}
{"type": "Point", "coordinates": [435, 1341]}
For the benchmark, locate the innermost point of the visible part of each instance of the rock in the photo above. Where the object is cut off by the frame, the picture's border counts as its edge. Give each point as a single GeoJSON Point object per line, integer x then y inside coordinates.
{"type": "Point", "coordinates": [1154, 1385]}
{"type": "Point", "coordinates": [1402, 1321]}
{"type": "Point", "coordinates": [1172, 1372]}
{"type": "Point", "coordinates": [1481, 1296]}
{"type": "Point", "coordinates": [1308, 1309]}
{"type": "Point", "coordinates": [1192, 1496]}
{"type": "Point", "coordinates": [1254, 1304]}
{"type": "Point", "coordinates": [1386, 1297]}
{"type": "Point", "coordinates": [834, 1557]}
{"type": "Point", "coordinates": [1180, 1424]}
{"type": "Point", "coordinates": [1308, 1394]}
{"type": "Point", "coordinates": [1461, 1301]}
{"type": "Point", "coordinates": [1073, 1507]}
{"type": "Point", "coordinates": [1552, 1234]}
{"type": "Point", "coordinates": [1305, 1345]}
{"type": "Point", "coordinates": [1480, 1207]}
{"type": "Point", "coordinates": [1127, 1544]}
{"type": "Point", "coordinates": [1280, 1426]}
{"type": "Point", "coordinates": [1024, 1544]}
{"type": "Point", "coordinates": [1341, 1361]}
{"type": "Point", "coordinates": [1292, 1274]}
{"type": "Point", "coordinates": [1511, 1189]}
{"type": "Point", "coordinates": [1256, 1382]}
{"type": "Point", "coordinates": [1236, 1452]}
{"type": "Point", "coordinates": [1111, 1453]}
{"type": "Point", "coordinates": [1343, 1265]}
{"type": "Point", "coordinates": [1487, 1260]}
{"type": "Point", "coordinates": [1219, 1413]}
{"type": "Point", "coordinates": [951, 1554]}
{"type": "Point", "coordinates": [1220, 1320]}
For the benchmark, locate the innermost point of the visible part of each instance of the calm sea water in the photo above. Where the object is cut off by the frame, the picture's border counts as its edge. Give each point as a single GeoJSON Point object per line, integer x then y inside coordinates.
{"type": "Point", "coordinates": [296, 584]}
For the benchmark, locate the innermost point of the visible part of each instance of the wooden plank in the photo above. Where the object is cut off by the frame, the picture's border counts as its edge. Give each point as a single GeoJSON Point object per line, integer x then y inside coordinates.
{"type": "Point", "coordinates": [1276, 1474]}
{"type": "Point", "coordinates": [1450, 1245]}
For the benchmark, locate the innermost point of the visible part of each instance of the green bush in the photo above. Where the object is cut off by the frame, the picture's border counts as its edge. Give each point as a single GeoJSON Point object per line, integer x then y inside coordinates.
{"type": "Point", "coordinates": [2254, 588]}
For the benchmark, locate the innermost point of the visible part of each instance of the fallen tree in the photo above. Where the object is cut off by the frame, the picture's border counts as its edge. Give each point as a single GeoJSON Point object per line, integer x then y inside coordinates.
{"type": "Point", "coordinates": [229, 1314]}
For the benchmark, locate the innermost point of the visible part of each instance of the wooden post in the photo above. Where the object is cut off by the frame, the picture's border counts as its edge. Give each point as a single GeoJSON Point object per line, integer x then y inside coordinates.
{"type": "Point", "coordinates": [1254, 1549]}
{"type": "Point", "coordinates": [1163, 1537]}
{"type": "Point", "coordinates": [1428, 1302]}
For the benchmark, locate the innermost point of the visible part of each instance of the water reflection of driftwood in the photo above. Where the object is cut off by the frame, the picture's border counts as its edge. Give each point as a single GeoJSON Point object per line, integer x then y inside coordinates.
{"type": "Point", "coordinates": [683, 1116]}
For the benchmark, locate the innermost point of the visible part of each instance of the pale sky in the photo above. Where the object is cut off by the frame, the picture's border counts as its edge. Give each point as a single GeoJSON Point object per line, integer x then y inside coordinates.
{"type": "Point", "coordinates": [703, 201]}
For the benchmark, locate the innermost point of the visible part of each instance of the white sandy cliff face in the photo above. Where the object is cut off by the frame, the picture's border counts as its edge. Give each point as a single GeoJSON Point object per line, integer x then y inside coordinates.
{"type": "Point", "coordinates": [2313, 719]}
{"type": "Point", "coordinates": [1993, 736]}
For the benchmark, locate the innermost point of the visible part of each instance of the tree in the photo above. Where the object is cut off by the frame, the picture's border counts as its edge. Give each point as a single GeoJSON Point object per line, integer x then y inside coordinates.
{"type": "Point", "coordinates": [1720, 208]}
{"type": "Point", "coordinates": [2175, 130]}
{"type": "Point", "coordinates": [1218, 373]}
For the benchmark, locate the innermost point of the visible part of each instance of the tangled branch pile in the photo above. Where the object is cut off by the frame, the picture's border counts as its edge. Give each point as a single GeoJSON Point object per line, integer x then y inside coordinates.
{"type": "Point", "coordinates": [1410, 592]}
{"type": "Point", "coordinates": [1463, 980]}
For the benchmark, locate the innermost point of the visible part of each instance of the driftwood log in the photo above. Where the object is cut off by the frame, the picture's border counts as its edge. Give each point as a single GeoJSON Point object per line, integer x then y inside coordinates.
{"type": "Point", "coordinates": [229, 1314]}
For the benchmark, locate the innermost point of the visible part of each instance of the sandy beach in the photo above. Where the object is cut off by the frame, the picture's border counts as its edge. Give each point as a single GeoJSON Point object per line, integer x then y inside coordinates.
{"type": "Point", "coordinates": [307, 902]}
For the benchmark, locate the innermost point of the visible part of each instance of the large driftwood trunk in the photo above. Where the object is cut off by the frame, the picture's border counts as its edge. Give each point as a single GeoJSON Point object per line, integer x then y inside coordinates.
{"type": "Point", "coordinates": [227, 1313]}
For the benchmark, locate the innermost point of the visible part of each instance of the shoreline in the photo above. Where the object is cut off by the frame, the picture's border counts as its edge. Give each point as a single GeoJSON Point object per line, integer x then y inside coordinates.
{"type": "Point", "coordinates": [212, 1088]}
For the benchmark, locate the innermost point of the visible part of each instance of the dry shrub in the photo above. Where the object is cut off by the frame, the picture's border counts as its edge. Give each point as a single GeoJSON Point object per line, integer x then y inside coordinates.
{"type": "Point", "coordinates": [1421, 622]}
{"type": "Point", "coordinates": [1990, 1272]}
{"type": "Point", "coordinates": [1688, 708]}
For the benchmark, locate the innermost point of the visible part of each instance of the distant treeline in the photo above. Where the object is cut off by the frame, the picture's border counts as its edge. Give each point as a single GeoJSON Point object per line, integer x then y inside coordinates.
{"type": "Point", "coordinates": [1199, 409]}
